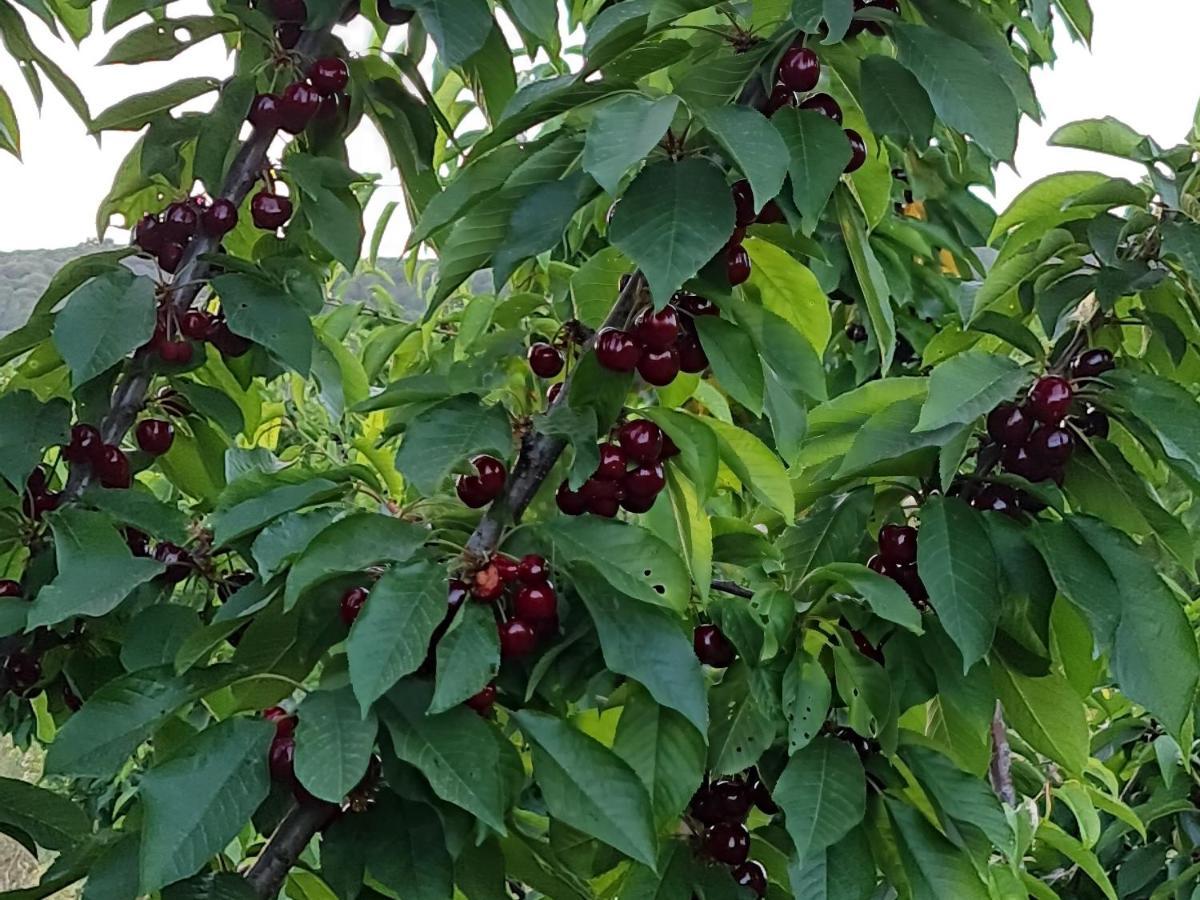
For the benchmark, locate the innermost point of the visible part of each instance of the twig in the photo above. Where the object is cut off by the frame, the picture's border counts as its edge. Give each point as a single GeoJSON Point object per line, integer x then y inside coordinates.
{"type": "Point", "coordinates": [729, 587]}
{"type": "Point", "coordinates": [1000, 772]}
{"type": "Point", "coordinates": [267, 874]}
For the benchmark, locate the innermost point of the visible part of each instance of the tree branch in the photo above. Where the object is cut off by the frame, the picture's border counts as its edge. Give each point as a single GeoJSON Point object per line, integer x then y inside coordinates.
{"type": "Point", "coordinates": [1000, 772]}
{"type": "Point", "coordinates": [730, 587]}
{"type": "Point", "coordinates": [271, 868]}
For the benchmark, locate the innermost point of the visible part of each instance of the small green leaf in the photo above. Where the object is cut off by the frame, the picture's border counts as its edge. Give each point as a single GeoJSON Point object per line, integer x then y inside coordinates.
{"type": "Point", "coordinates": [755, 147]}
{"type": "Point", "coordinates": [899, 107]}
{"type": "Point", "coordinates": [29, 427]}
{"type": "Point", "coordinates": [886, 598]}
{"type": "Point", "coordinates": [268, 315]}
{"type": "Point", "coordinates": [806, 697]}
{"type": "Point", "coordinates": [665, 750]}
{"type": "Point", "coordinates": [53, 821]}
{"type": "Point", "coordinates": [458, 27]}
{"type": "Point", "coordinates": [818, 152]}
{"type": "Point", "coordinates": [1106, 135]}
{"type": "Point", "coordinates": [790, 290]}
{"type": "Point", "coordinates": [881, 320]}
{"type": "Point", "coordinates": [1047, 713]}
{"type": "Point", "coordinates": [136, 111]}
{"type": "Point", "coordinates": [622, 132]}
{"type": "Point", "coordinates": [756, 467]}
{"type": "Point", "coordinates": [250, 515]}
{"type": "Point", "coordinates": [166, 39]}
{"type": "Point", "coordinates": [438, 440]}
{"type": "Point", "coordinates": [468, 657]}
{"type": "Point", "coordinates": [734, 360]}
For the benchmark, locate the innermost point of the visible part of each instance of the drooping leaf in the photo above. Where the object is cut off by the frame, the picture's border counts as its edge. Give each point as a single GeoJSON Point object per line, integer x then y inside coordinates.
{"type": "Point", "coordinates": [30, 426]}
{"type": "Point", "coordinates": [818, 153]}
{"type": "Point", "coordinates": [899, 106]}
{"type": "Point", "coordinates": [468, 657]}
{"type": "Point", "coordinates": [104, 320]}
{"type": "Point", "coordinates": [665, 750]}
{"type": "Point", "coordinates": [333, 743]}
{"type": "Point", "coordinates": [622, 133]}
{"type": "Point", "coordinates": [441, 438]}
{"type": "Point", "coordinates": [755, 147]}
{"type": "Point", "coordinates": [822, 793]}
{"type": "Point", "coordinates": [968, 385]}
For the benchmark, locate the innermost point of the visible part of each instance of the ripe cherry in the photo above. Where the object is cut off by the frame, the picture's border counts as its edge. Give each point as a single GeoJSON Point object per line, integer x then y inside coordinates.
{"type": "Point", "coordinates": [910, 580]}
{"type": "Point", "coordinates": [1009, 423]}
{"type": "Point", "coordinates": [641, 440]}
{"type": "Point", "coordinates": [21, 672]}
{"type": "Point", "coordinates": [170, 255]}
{"type": "Point", "coordinates": [856, 332]}
{"type": "Point", "coordinates": [770, 214]}
{"type": "Point", "coordinates": [571, 503]}
{"type": "Point", "coordinates": [483, 701]}
{"type": "Point", "coordinates": [288, 34]}
{"type": "Point", "coordinates": [753, 876]}
{"type": "Point", "coordinates": [220, 218]}
{"type": "Point", "coordinates": [1051, 446]}
{"type": "Point", "coordinates": [656, 330]}
{"type": "Point", "coordinates": [194, 324]}
{"type": "Point", "coordinates": [289, 10]}
{"type": "Point", "coordinates": [517, 638]}
{"type": "Point", "coordinates": [351, 604]}
{"type": "Point", "coordinates": [180, 221]}
{"type": "Point", "coordinates": [1094, 423]}
{"type": "Point", "coordinates": [898, 544]}
{"type": "Point", "coordinates": [732, 799]}
{"type": "Point", "coordinates": [536, 603]}
{"type": "Point", "coordinates": [264, 112]}
{"type": "Point", "coordinates": [743, 203]}
{"type": "Point", "coordinates": [281, 759]}
{"type": "Point", "coordinates": [999, 498]}
{"type": "Point", "coordinates": [858, 150]}
{"type": "Point", "coordinates": [1050, 399]}
{"type": "Point", "coordinates": [1017, 459]}
{"type": "Point", "coordinates": [603, 498]}
{"type": "Point", "coordinates": [506, 566]}
{"type": "Point", "coordinates": [492, 473]}
{"type": "Point", "coordinates": [737, 264]}
{"type": "Point", "coordinates": [1092, 363]}
{"type": "Point", "coordinates": [659, 367]}
{"type": "Point", "coordinates": [545, 360]}
{"type": "Point", "coordinates": [692, 358]}
{"type": "Point", "coordinates": [616, 350]}
{"type": "Point", "coordinates": [825, 105]}
{"type": "Point", "coordinates": [329, 75]}
{"type": "Point", "coordinates": [148, 233]}
{"type": "Point", "coordinates": [269, 210]}
{"type": "Point", "coordinates": [553, 393]}
{"type": "Point", "coordinates": [694, 304]}
{"type": "Point", "coordinates": [85, 444]}
{"type": "Point", "coordinates": [876, 564]}
{"type": "Point", "coordinates": [395, 15]}
{"type": "Point", "coordinates": [645, 480]}
{"type": "Point", "coordinates": [178, 561]}
{"type": "Point", "coordinates": [612, 462]}
{"type": "Point", "coordinates": [799, 69]}
{"type": "Point", "coordinates": [10, 588]}
{"type": "Point", "coordinates": [669, 447]}
{"type": "Point", "coordinates": [112, 467]}
{"type": "Point", "coordinates": [175, 353]}
{"type": "Point", "coordinates": [136, 540]}
{"type": "Point", "coordinates": [155, 436]}
{"type": "Point", "coordinates": [71, 700]}
{"type": "Point", "coordinates": [228, 344]}
{"type": "Point", "coordinates": [638, 503]}
{"type": "Point", "coordinates": [297, 106]}
{"type": "Point", "coordinates": [728, 843]}
{"type": "Point", "coordinates": [532, 569]}
{"type": "Point", "coordinates": [712, 647]}
{"type": "Point", "coordinates": [781, 96]}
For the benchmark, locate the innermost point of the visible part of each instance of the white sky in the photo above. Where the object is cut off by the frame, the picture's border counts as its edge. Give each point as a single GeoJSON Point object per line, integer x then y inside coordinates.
{"type": "Point", "coordinates": [50, 199]}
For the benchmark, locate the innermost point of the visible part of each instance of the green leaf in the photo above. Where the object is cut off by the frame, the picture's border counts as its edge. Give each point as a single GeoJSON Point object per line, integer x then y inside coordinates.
{"type": "Point", "coordinates": [405, 850]}
{"type": "Point", "coordinates": [755, 147]}
{"type": "Point", "coordinates": [1070, 847]}
{"type": "Point", "coordinates": [966, 91]}
{"type": "Point", "coordinates": [96, 569]}
{"type": "Point", "coordinates": [250, 515]}
{"type": "Point", "coordinates": [881, 320]}
{"type": "Point", "coordinates": [1081, 575]}
{"type": "Point", "coordinates": [30, 427]}
{"type": "Point", "coordinates": [967, 801]}
{"type": "Point", "coordinates": [456, 751]}
{"type": "Point", "coordinates": [831, 529]}
{"type": "Point", "coordinates": [665, 750]}
{"type": "Point", "coordinates": [1043, 202]}
{"type": "Point", "coordinates": [756, 467]}
{"type": "Point", "coordinates": [588, 787]}
{"type": "Point", "coordinates": [391, 636]}
{"type": "Point", "coordinates": [166, 39]}
{"type": "Point", "coordinates": [898, 106]}
{"type": "Point", "coordinates": [885, 598]}
{"type": "Point", "coordinates": [673, 219]}
{"type": "Point", "coordinates": [790, 290]}
{"type": "Point", "coordinates": [351, 545]}
{"type": "Point", "coordinates": [468, 657]}
{"type": "Point", "coordinates": [538, 222]}
{"type": "Point", "coordinates": [469, 187]}
{"type": "Point", "coordinates": [104, 320]}
{"type": "Point", "coordinates": [213, 145]}
{"type": "Point", "coordinates": [1169, 411]}
{"type": "Point", "coordinates": [156, 634]}
{"type": "Point", "coordinates": [647, 644]}
{"type": "Point", "coordinates": [818, 153]}
{"type": "Point", "coordinates": [844, 871]}
{"type": "Point", "coordinates": [458, 27]}
{"type": "Point", "coordinates": [622, 133]}
{"type": "Point", "coordinates": [1106, 135]}
{"type": "Point", "coordinates": [333, 743]}
{"type": "Point", "coordinates": [1008, 274]}
{"type": "Point", "coordinates": [438, 440]}
{"type": "Point", "coordinates": [734, 360]}
{"type": "Point", "coordinates": [889, 444]}
{"type": "Point", "coordinates": [782, 347]}
{"type": "Point", "coordinates": [266, 314]}
{"type": "Point", "coordinates": [698, 454]}
{"type": "Point", "coordinates": [329, 205]}
{"type": "Point", "coordinates": [806, 697]}
{"type": "Point", "coordinates": [137, 110]}
{"type": "Point", "coordinates": [596, 283]}
{"type": "Point", "coordinates": [197, 801]}
{"type": "Point", "coordinates": [958, 566]}
{"type": "Point", "coordinates": [934, 866]}
{"type": "Point", "coordinates": [744, 716]}
{"type": "Point", "coordinates": [1047, 713]}
{"type": "Point", "coordinates": [823, 794]}
{"type": "Point", "coordinates": [967, 386]}
{"type": "Point", "coordinates": [280, 543]}
{"type": "Point", "coordinates": [50, 819]}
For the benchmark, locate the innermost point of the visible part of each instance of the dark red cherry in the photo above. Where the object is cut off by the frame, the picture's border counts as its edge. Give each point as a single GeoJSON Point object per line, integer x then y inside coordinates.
{"type": "Point", "coordinates": [148, 233]}
{"type": "Point", "coordinates": [289, 10]}
{"type": "Point", "coordinates": [910, 580]}
{"type": "Point", "coordinates": [220, 218]}
{"type": "Point", "coordinates": [659, 367]}
{"type": "Point", "coordinates": [799, 69]}
{"type": "Point", "coordinates": [298, 104]}
{"type": "Point", "coordinates": [85, 444]}
{"type": "Point", "coordinates": [281, 759]}
{"type": "Point", "coordinates": [770, 214]}
{"type": "Point", "coordinates": [603, 498]}
{"type": "Point", "coordinates": [753, 876]}
{"type": "Point", "coordinates": [638, 503]}
{"type": "Point", "coordinates": [486, 584]}
{"type": "Point", "coordinates": [743, 203]}
{"type": "Point", "coordinates": [553, 393]}
{"type": "Point", "coordinates": [10, 588]}
{"type": "Point", "coordinates": [1092, 363]}
{"type": "Point", "coordinates": [669, 448]}
{"type": "Point", "coordinates": [856, 332]}
{"type": "Point", "coordinates": [1017, 459]}
{"type": "Point", "coordinates": [169, 256]}
{"type": "Point", "coordinates": [545, 360]}
{"type": "Point", "coordinates": [532, 569]}
{"type": "Point", "coordinates": [825, 105]}
{"type": "Point", "coordinates": [703, 806]}
{"type": "Point", "coordinates": [656, 330]}
{"type": "Point", "coordinates": [175, 353]}
{"type": "Point", "coordinates": [712, 647]}
{"type": "Point", "coordinates": [136, 540]}
{"type": "Point", "coordinates": [71, 700]}
{"type": "Point", "coordinates": [645, 480]}
{"type": "Point", "coordinates": [641, 440]}
{"type": "Point", "coordinates": [536, 603]}
{"type": "Point", "coordinates": [1094, 423]}
{"type": "Point", "coordinates": [155, 436]}
{"type": "Point", "coordinates": [694, 304]}
{"type": "Point", "coordinates": [21, 672]}
{"type": "Point", "coordinates": [288, 34]}
{"type": "Point", "coordinates": [616, 350]}
{"type": "Point", "coordinates": [737, 264]}
{"type": "Point", "coordinates": [178, 562]}
{"type": "Point", "coordinates": [270, 211]}
{"type": "Point", "coordinates": [351, 604]}
{"type": "Point", "coordinates": [732, 799]}
{"type": "Point", "coordinates": [898, 544]}
{"type": "Point", "coordinates": [1009, 423]}
{"type": "Point", "coordinates": [483, 701]}
{"type": "Point", "coordinates": [858, 150]}
{"type": "Point", "coordinates": [264, 112]}
{"type": "Point", "coordinates": [194, 324]}
{"type": "Point", "coordinates": [876, 564]}
{"type": "Point", "coordinates": [571, 503]}
{"type": "Point", "coordinates": [692, 358]}
{"type": "Point", "coordinates": [517, 638]}
{"type": "Point", "coordinates": [781, 96]}
{"type": "Point", "coordinates": [228, 344]}
{"type": "Point", "coordinates": [111, 466]}
{"type": "Point", "coordinates": [395, 15]}
{"type": "Point", "coordinates": [180, 221]}
{"type": "Point", "coordinates": [612, 462]}
{"type": "Point", "coordinates": [492, 473]}
{"type": "Point", "coordinates": [507, 567]}
{"type": "Point", "coordinates": [999, 498]}
{"type": "Point", "coordinates": [1050, 399]}
{"type": "Point", "coordinates": [1051, 446]}
{"type": "Point", "coordinates": [329, 75]}
{"type": "Point", "coordinates": [728, 843]}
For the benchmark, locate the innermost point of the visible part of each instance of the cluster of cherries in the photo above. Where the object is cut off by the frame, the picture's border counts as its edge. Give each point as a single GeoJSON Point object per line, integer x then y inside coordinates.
{"type": "Point", "coordinates": [174, 334]}
{"type": "Point", "coordinates": [721, 806]}
{"type": "Point", "coordinates": [485, 485]}
{"type": "Point", "coordinates": [798, 73]}
{"type": "Point", "coordinates": [630, 475]}
{"type": "Point", "coordinates": [659, 345]}
{"type": "Point", "coordinates": [165, 236]}
{"type": "Point", "coordinates": [524, 601]}
{"type": "Point", "coordinates": [109, 462]}
{"type": "Point", "coordinates": [178, 563]}
{"type": "Point", "coordinates": [1035, 439]}
{"type": "Point", "coordinates": [897, 560]}
{"type": "Point", "coordinates": [20, 670]}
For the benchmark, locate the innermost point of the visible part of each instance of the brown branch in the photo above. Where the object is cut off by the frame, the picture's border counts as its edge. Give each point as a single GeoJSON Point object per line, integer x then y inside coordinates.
{"type": "Point", "coordinates": [1000, 771]}
{"type": "Point", "coordinates": [271, 868]}
{"type": "Point", "coordinates": [730, 587]}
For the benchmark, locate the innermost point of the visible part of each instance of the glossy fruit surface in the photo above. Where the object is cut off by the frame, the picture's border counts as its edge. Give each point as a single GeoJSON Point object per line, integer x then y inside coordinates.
{"type": "Point", "coordinates": [1051, 446]}
{"type": "Point", "coordinates": [770, 214]}
{"type": "Point", "coordinates": [507, 567]}
{"type": "Point", "coordinates": [220, 218]}
{"type": "Point", "coordinates": [1009, 423]}
{"type": "Point", "coordinates": [1019, 461]}
{"type": "Point", "coordinates": [638, 503]}
{"type": "Point", "coordinates": [536, 603]}
{"type": "Point", "coordinates": [799, 69]}
{"type": "Point", "coordinates": [180, 221]}
{"type": "Point", "coordinates": [781, 96]}
{"type": "Point", "coordinates": [1094, 423]}
{"type": "Point", "coordinates": [617, 350]}
{"type": "Point", "coordinates": [692, 358]}
{"type": "Point", "coordinates": [737, 264]}
{"type": "Point", "coordinates": [544, 360]}
{"type": "Point", "coordinates": [111, 466]}
{"type": "Point", "coordinates": [517, 639]}
{"type": "Point", "coordinates": [753, 876]}
{"type": "Point", "coordinates": [656, 330]}
{"type": "Point", "coordinates": [264, 112]}
{"type": "Point", "coordinates": [1050, 399]}
{"type": "Point", "coordinates": [728, 843]}
{"type": "Point", "coordinates": [825, 105]}
{"type": "Point", "coordinates": [1092, 363]}
{"type": "Point", "coordinates": [169, 256]}
{"type": "Point", "coordinates": [329, 75]}
{"type": "Point", "coordinates": [898, 544]}
{"type": "Point", "coordinates": [395, 15]}
{"type": "Point", "coordinates": [351, 604]}
{"type": "Point", "coordinates": [743, 203]}
{"type": "Point", "coordinates": [85, 443]}
{"type": "Point", "coordinates": [532, 569]}
{"type": "Point", "coordinates": [270, 211]}
{"type": "Point", "coordinates": [659, 367]}
{"type": "Point", "coordinates": [155, 435]}
{"type": "Point", "coordinates": [298, 103]}
{"type": "Point", "coordinates": [998, 498]}
{"type": "Point", "coordinates": [194, 324]}
{"type": "Point", "coordinates": [178, 562]}
{"type": "Point", "coordinates": [645, 480]}
{"type": "Point", "coordinates": [571, 503]}
{"type": "Point", "coordinates": [491, 473]}
{"type": "Point", "coordinates": [612, 462]}
{"type": "Point", "coordinates": [10, 588]}
{"type": "Point", "coordinates": [483, 701]}
{"type": "Point", "coordinates": [858, 150]}
{"type": "Point", "coordinates": [732, 799]}
{"type": "Point", "coordinates": [712, 647]}
{"type": "Point", "coordinates": [641, 440]}
{"type": "Point", "coordinates": [148, 233]}
{"type": "Point", "coordinates": [175, 353]}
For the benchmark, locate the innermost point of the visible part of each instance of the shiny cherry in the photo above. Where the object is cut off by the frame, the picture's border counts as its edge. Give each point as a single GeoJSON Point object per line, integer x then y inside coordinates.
{"type": "Point", "coordinates": [85, 445]}
{"type": "Point", "coordinates": [351, 604]}
{"type": "Point", "coordinates": [483, 701]}
{"type": "Point", "coordinates": [737, 264]}
{"type": "Point", "coordinates": [111, 466]}
{"type": "Point", "coordinates": [825, 105]}
{"type": "Point", "coordinates": [544, 359]}
{"type": "Point", "coordinates": [641, 440]}
{"type": "Point", "coordinates": [1051, 446]}
{"type": "Point", "coordinates": [753, 876]}
{"type": "Point", "coordinates": [692, 358]}
{"type": "Point", "coordinates": [858, 150]}
{"type": "Point", "coordinates": [269, 210]}
{"type": "Point", "coordinates": [532, 569]}
{"type": "Point", "coordinates": [743, 203]}
{"type": "Point", "coordinates": [298, 103]}
{"type": "Point", "coordinates": [1009, 423]}
{"type": "Point", "coordinates": [799, 69]}
{"type": "Point", "coordinates": [898, 544]}
{"type": "Point", "coordinates": [571, 503]}
{"type": "Point", "coordinates": [155, 436]}
{"type": "Point", "coordinates": [329, 75]}
{"type": "Point", "coordinates": [264, 112]}
{"type": "Point", "coordinates": [656, 330]}
{"type": "Point", "coordinates": [728, 843]}
{"type": "Point", "coordinates": [220, 218]}
{"type": "Point", "coordinates": [617, 350]}
{"type": "Point", "coordinates": [517, 638]}
{"type": "Point", "coordinates": [486, 584]}
{"type": "Point", "coordinates": [1050, 399]}
{"type": "Point", "coordinates": [659, 367]}
{"type": "Point", "coordinates": [536, 603]}
{"type": "Point", "coordinates": [712, 647]}
{"type": "Point", "coordinates": [645, 480]}
{"type": "Point", "coordinates": [612, 462]}
{"type": "Point", "coordinates": [1092, 363]}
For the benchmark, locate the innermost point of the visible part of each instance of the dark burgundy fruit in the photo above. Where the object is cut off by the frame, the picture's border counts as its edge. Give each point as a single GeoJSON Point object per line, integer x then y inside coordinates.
{"type": "Point", "coordinates": [228, 344]}
{"type": "Point", "coordinates": [507, 567]}
{"type": "Point", "coordinates": [264, 112]}
{"type": "Point", "coordinates": [220, 218]}
{"type": "Point", "coordinates": [178, 561]}
{"type": "Point", "coordinates": [298, 104]}
{"type": "Point", "coordinates": [155, 435]}
{"type": "Point", "coordinates": [517, 638]}
{"type": "Point", "coordinates": [536, 603]}
{"type": "Point", "coordinates": [1094, 423]}
{"type": "Point", "coordinates": [10, 588]}
{"type": "Point", "coordinates": [799, 69]}
{"type": "Point", "coordinates": [21, 672]}
{"type": "Point", "coordinates": [603, 498]}
{"type": "Point", "coordinates": [288, 34]}
{"type": "Point", "coordinates": [483, 701]}
{"type": "Point", "coordinates": [289, 10]}
{"type": "Point", "coordinates": [136, 540]}
{"type": "Point", "coordinates": [169, 256]}
{"type": "Point", "coordinates": [553, 393]}
{"type": "Point", "coordinates": [1019, 461]}
{"type": "Point", "coordinates": [395, 15]}
{"type": "Point", "coordinates": [641, 440]}
{"type": "Point", "coordinates": [638, 503]}
{"type": "Point", "coordinates": [712, 647]}
{"type": "Point", "coordinates": [612, 462]}
{"type": "Point", "coordinates": [176, 353]}
{"type": "Point", "coordinates": [781, 96]}
{"type": "Point", "coordinates": [270, 211]}
{"type": "Point", "coordinates": [351, 604]}
{"type": "Point", "coordinates": [898, 544]}
{"type": "Point", "coordinates": [571, 503]}
{"type": "Point", "coordinates": [1051, 446]}
{"type": "Point", "coordinates": [111, 466]}
{"type": "Point", "coordinates": [645, 481]}
{"type": "Point", "coordinates": [770, 214]}
{"type": "Point", "coordinates": [999, 498]}
{"type": "Point", "coordinates": [148, 233]}
{"type": "Point", "coordinates": [85, 444]}
{"type": "Point", "coordinates": [616, 350]}
{"type": "Point", "coordinates": [743, 203]}
{"type": "Point", "coordinates": [659, 367]}
{"type": "Point", "coordinates": [732, 798]}
{"type": "Point", "coordinates": [752, 876]}
{"type": "Point", "coordinates": [180, 221]}
{"type": "Point", "coordinates": [858, 150]}
{"type": "Point", "coordinates": [694, 304]}
{"type": "Point", "coordinates": [692, 358]}
{"type": "Point", "coordinates": [1050, 399]}
{"type": "Point", "coordinates": [737, 264]}
{"type": "Point", "coordinates": [856, 332]}
{"type": "Point", "coordinates": [329, 75]}
{"type": "Point", "coordinates": [194, 324]}
{"type": "Point", "coordinates": [71, 700]}
{"type": "Point", "coordinates": [1009, 423]}
{"type": "Point", "coordinates": [532, 569]}
{"type": "Point", "coordinates": [545, 360]}
{"type": "Point", "coordinates": [728, 843]}
{"type": "Point", "coordinates": [656, 330]}
{"type": "Point", "coordinates": [1092, 363]}
{"type": "Point", "coordinates": [281, 759]}
{"type": "Point", "coordinates": [825, 105]}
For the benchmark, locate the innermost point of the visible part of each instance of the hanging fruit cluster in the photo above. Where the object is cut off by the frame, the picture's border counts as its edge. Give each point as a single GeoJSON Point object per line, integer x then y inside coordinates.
{"type": "Point", "coordinates": [798, 73]}
{"type": "Point", "coordinates": [897, 560]}
{"type": "Point", "coordinates": [630, 475]}
{"type": "Point", "coordinates": [523, 598]}
{"type": "Point", "coordinates": [719, 809]}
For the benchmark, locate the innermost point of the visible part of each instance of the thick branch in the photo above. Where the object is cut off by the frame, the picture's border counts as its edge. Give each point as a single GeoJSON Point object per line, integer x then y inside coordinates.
{"type": "Point", "coordinates": [1001, 768]}
{"type": "Point", "coordinates": [267, 874]}
{"type": "Point", "coordinates": [730, 587]}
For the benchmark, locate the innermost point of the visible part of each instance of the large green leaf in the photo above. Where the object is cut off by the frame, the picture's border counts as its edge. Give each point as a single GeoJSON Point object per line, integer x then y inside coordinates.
{"type": "Point", "coordinates": [468, 657]}
{"type": "Point", "coordinates": [197, 801]}
{"type": "Point", "coordinates": [782, 347]}
{"type": "Point", "coordinates": [756, 467]}
{"type": "Point", "coordinates": [665, 750]}
{"type": "Point", "coordinates": [1042, 204]}
{"type": "Point", "coordinates": [137, 110]}
{"type": "Point", "coordinates": [50, 819]}
{"type": "Point", "coordinates": [268, 315]}
{"type": "Point", "coordinates": [1082, 576]}
{"type": "Point", "coordinates": [968, 802]}
{"type": "Point", "coordinates": [334, 741]}
{"type": "Point", "coordinates": [30, 426]}
{"type": "Point", "coordinates": [166, 39]}
{"type": "Point", "coordinates": [538, 222]}
{"type": "Point", "coordinates": [622, 132]}
{"type": "Point", "coordinates": [104, 321]}
{"type": "Point", "coordinates": [458, 27]}
{"type": "Point", "coordinates": [830, 530]}
{"type": "Point", "coordinates": [823, 794]}
{"type": "Point", "coordinates": [438, 440]}
{"type": "Point", "coordinates": [966, 386]}
{"type": "Point", "coordinates": [935, 868]}
{"type": "Point", "coordinates": [1047, 713]}
{"type": "Point", "coordinates": [806, 697]}
{"type": "Point", "coordinates": [249, 515]}
{"type": "Point", "coordinates": [391, 636]}
{"type": "Point", "coordinates": [818, 153]}
{"type": "Point", "coordinates": [405, 850]}
{"type": "Point", "coordinates": [958, 566]}
{"type": "Point", "coordinates": [744, 717]}
{"type": "Point", "coordinates": [1106, 135]}
{"type": "Point", "coordinates": [897, 105]}
{"type": "Point", "coordinates": [881, 320]}
{"type": "Point", "coordinates": [844, 871]}
{"type": "Point", "coordinates": [673, 219]}
{"type": "Point", "coordinates": [734, 360]}
{"type": "Point", "coordinates": [1170, 412]}
{"type": "Point", "coordinates": [754, 146]}
{"type": "Point", "coordinates": [698, 454]}
{"type": "Point", "coordinates": [328, 204]}
{"type": "Point", "coordinates": [885, 598]}
{"type": "Point", "coordinates": [790, 290]}
{"type": "Point", "coordinates": [587, 786]}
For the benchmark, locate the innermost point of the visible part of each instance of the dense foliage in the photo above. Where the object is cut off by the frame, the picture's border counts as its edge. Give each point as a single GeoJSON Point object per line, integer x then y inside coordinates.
{"type": "Point", "coordinates": [749, 537]}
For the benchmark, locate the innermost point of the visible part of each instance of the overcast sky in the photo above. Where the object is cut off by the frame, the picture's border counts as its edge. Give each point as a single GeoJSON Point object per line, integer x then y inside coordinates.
{"type": "Point", "coordinates": [1140, 69]}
